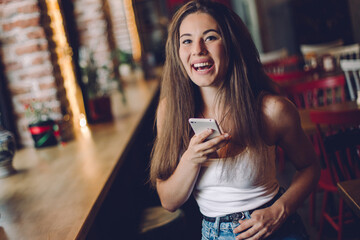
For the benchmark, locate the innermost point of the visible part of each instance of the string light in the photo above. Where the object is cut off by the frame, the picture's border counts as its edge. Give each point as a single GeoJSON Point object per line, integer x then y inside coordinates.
{"type": "Point", "coordinates": [64, 54]}
{"type": "Point", "coordinates": [133, 30]}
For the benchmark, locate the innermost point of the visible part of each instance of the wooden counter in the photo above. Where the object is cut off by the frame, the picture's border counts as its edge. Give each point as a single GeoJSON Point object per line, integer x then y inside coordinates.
{"type": "Point", "coordinates": [310, 128]}
{"type": "Point", "coordinates": [350, 191]}
{"type": "Point", "coordinates": [57, 191]}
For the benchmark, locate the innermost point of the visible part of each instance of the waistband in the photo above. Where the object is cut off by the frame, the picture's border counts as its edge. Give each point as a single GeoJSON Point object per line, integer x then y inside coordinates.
{"type": "Point", "coordinates": [241, 215]}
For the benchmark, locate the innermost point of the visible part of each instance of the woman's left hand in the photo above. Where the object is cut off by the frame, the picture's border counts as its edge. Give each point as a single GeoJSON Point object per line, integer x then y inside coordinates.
{"type": "Point", "coordinates": [263, 222]}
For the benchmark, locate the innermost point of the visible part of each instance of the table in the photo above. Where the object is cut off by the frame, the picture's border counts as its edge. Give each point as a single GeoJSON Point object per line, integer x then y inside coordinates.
{"type": "Point", "coordinates": [310, 128]}
{"type": "Point", "coordinates": [350, 191]}
{"type": "Point", "coordinates": [57, 191]}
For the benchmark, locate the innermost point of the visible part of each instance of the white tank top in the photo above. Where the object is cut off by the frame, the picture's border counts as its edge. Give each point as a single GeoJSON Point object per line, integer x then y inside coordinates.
{"type": "Point", "coordinates": [247, 190]}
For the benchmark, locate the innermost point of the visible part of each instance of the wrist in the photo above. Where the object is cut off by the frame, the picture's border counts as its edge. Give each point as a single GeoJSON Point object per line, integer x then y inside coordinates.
{"type": "Point", "coordinates": [189, 162]}
{"type": "Point", "coordinates": [282, 209]}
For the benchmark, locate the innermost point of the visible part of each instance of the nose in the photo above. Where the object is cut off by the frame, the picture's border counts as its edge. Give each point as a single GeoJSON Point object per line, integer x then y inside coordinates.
{"type": "Point", "coordinates": [199, 47]}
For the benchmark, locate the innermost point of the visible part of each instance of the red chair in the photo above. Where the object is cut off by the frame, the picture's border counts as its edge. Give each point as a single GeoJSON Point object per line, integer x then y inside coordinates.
{"type": "Point", "coordinates": [287, 77]}
{"type": "Point", "coordinates": [338, 135]}
{"type": "Point", "coordinates": [312, 94]}
{"type": "Point", "coordinates": [323, 91]}
{"type": "Point", "coordinates": [286, 69]}
{"type": "Point", "coordinates": [283, 65]}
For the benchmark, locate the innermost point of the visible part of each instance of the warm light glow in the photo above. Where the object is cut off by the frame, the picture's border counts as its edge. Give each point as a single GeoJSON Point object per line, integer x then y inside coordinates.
{"type": "Point", "coordinates": [64, 53]}
{"type": "Point", "coordinates": [90, 168]}
{"type": "Point", "coordinates": [86, 133]}
{"type": "Point", "coordinates": [133, 31]}
{"type": "Point", "coordinates": [83, 121]}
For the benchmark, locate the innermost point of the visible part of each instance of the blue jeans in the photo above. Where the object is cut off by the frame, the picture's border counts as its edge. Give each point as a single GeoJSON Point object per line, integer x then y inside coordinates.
{"type": "Point", "coordinates": [292, 229]}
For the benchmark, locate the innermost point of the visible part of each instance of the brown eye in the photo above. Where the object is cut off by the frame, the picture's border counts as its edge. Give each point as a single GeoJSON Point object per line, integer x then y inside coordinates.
{"type": "Point", "coordinates": [211, 38]}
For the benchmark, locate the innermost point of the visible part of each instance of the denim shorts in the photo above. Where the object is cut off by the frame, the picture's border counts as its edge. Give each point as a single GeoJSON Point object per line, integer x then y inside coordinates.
{"type": "Point", "coordinates": [292, 229]}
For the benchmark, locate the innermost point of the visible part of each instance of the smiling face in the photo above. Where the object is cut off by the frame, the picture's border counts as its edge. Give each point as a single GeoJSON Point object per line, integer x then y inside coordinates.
{"type": "Point", "coordinates": [201, 50]}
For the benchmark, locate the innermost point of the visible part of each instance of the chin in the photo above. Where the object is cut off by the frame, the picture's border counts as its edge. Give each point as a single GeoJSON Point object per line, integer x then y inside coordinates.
{"type": "Point", "coordinates": [203, 83]}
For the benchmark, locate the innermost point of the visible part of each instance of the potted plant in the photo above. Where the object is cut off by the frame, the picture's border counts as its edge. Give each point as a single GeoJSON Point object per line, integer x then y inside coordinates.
{"type": "Point", "coordinates": [97, 91]}
{"type": "Point", "coordinates": [44, 130]}
{"type": "Point", "coordinates": [126, 64]}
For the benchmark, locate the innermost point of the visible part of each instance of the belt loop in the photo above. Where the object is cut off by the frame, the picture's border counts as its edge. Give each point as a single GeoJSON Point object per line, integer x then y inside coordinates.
{"type": "Point", "coordinates": [217, 226]}
{"type": "Point", "coordinates": [247, 214]}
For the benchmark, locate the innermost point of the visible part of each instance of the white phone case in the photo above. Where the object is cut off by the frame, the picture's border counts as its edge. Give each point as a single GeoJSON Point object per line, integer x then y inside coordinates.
{"type": "Point", "coordinates": [199, 125]}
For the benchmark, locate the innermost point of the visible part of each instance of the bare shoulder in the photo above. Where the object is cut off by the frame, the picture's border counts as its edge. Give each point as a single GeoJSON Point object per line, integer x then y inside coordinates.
{"type": "Point", "coordinates": [277, 106]}
{"type": "Point", "coordinates": [279, 117]}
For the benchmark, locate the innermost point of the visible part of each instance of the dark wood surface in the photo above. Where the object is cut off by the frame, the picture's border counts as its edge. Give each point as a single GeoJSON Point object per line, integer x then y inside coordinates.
{"type": "Point", "coordinates": [310, 128]}
{"type": "Point", "coordinates": [350, 191]}
{"type": "Point", "coordinates": [57, 192]}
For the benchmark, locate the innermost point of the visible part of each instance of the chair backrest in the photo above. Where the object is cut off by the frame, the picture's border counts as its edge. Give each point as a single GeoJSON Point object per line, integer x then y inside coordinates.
{"type": "Point", "coordinates": [319, 92]}
{"type": "Point", "coordinates": [311, 52]}
{"type": "Point", "coordinates": [288, 77]}
{"type": "Point", "coordinates": [345, 52]}
{"type": "Point", "coordinates": [351, 69]}
{"type": "Point", "coordinates": [273, 55]}
{"type": "Point", "coordinates": [285, 64]}
{"type": "Point", "coordinates": [338, 135]}
{"type": "Point", "coordinates": [286, 69]}
{"type": "Point", "coordinates": [329, 59]}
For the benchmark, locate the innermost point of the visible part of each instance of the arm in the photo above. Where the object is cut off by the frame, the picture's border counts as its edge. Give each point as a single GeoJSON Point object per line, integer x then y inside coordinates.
{"type": "Point", "coordinates": [175, 190]}
{"type": "Point", "coordinates": [282, 127]}
{"type": "Point", "coordinates": [300, 151]}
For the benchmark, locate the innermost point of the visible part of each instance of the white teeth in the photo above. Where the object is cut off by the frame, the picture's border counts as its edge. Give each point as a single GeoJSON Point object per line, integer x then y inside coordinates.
{"type": "Point", "coordinates": [201, 64]}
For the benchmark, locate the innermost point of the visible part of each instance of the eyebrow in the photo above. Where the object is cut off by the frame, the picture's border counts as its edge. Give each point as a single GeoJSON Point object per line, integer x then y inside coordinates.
{"type": "Point", "coordinates": [204, 33]}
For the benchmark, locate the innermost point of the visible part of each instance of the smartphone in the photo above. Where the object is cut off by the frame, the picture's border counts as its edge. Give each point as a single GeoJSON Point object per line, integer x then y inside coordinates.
{"type": "Point", "coordinates": [199, 125]}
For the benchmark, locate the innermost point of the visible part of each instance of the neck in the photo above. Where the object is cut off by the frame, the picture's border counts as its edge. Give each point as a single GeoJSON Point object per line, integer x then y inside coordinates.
{"type": "Point", "coordinates": [208, 95]}
{"type": "Point", "coordinates": [210, 105]}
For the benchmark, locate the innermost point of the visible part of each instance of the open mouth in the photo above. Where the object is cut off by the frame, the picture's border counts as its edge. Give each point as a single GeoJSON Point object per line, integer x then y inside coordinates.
{"type": "Point", "coordinates": [204, 66]}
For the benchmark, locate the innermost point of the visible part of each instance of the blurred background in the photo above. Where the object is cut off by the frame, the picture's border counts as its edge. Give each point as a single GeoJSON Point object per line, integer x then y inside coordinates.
{"type": "Point", "coordinates": [57, 58]}
{"type": "Point", "coordinates": [64, 63]}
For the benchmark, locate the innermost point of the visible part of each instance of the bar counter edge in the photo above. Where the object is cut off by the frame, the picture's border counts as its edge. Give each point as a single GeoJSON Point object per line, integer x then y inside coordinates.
{"type": "Point", "coordinates": [93, 187]}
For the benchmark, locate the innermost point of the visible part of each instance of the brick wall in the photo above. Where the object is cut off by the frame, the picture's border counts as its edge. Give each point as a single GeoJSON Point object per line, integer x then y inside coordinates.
{"type": "Point", "coordinates": [28, 67]}
{"type": "Point", "coordinates": [92, 31]}
{"type": "Point", "coordinates": [120, 27]}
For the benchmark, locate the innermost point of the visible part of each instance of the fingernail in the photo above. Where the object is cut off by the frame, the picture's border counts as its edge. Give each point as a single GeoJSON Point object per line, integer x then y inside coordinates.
{"type": "Point", "coordinates": [226, 135]}
{"type": "Point", "coordinates": [210, 130]}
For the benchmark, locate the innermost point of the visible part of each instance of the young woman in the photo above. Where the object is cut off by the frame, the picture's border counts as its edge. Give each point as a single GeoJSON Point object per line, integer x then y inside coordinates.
{"type": "Point", "coordinates": [212, 70]}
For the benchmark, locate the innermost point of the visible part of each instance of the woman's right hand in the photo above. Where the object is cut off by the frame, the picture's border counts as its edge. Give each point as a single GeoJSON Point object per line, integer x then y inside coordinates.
{"type": "Point", "coordinates": [174, 191]}
{"type": "Point", "coordinates": [200, 149]}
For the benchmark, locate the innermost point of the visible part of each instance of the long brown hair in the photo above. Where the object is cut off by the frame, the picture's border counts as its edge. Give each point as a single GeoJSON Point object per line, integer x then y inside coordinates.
{"type": "Point", "coordinates": [244, 85]}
